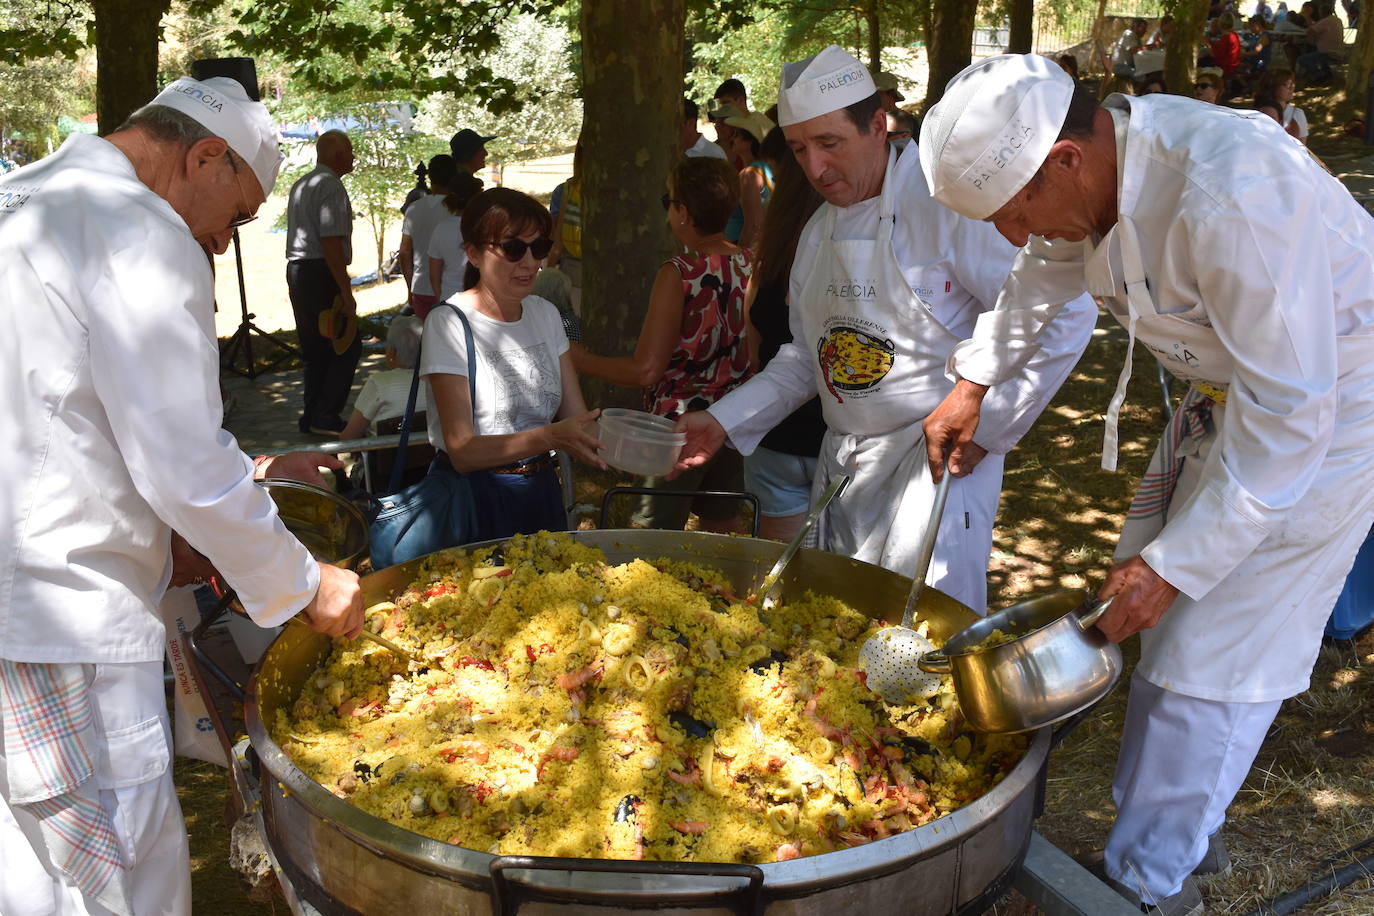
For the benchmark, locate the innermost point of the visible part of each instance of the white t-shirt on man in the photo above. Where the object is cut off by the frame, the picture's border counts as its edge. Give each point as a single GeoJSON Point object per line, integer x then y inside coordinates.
{"type": "Point", "coordinates": [519, 386]}
{"type": "Point", "coordinates": [421, 218]}
{"type": "Point", "coordinates": [446, 243]}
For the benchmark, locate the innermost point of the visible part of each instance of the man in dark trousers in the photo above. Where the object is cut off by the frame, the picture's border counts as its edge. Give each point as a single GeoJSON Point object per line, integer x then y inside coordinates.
{"type": "Point", "coordinates": [319, 231]}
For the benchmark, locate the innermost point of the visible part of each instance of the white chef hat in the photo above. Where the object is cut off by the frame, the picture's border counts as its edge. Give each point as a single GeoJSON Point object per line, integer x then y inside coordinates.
{"type": "Point", "coordinates": [820, 84]}
{"type": "Point", "coordinates": [991, 131]}
{"type": "Point", "coordinates": [224, 108]}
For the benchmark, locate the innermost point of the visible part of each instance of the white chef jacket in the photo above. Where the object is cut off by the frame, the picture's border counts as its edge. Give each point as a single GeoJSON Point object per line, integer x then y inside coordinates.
{"type": "Point", "coordinates": [111, 412]}
{"type": "Point", "coordinates": [956, 266]}
{"type": "Point", "coordinates": [1254, 239]}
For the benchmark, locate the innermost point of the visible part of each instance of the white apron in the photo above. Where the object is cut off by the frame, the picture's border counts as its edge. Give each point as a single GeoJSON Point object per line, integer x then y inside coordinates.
{"type": "Point", "coordinates": [1254, 637]}
{"type": "Point", "coordinates": [882, 515]}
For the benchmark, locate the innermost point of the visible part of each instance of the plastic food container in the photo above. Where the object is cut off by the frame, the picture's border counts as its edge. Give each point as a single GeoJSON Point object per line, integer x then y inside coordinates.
{"type": "Point", "coordinates": [638, 442]}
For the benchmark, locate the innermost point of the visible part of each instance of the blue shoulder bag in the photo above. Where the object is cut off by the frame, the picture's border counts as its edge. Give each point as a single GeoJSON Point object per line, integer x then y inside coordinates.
{"type": "Point", "coordinates": [436, 512]}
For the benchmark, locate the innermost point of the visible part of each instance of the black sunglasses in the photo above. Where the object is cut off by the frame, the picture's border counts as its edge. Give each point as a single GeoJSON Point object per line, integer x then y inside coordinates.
{"type": "Point", "coordinates": [668, 201]}
{"type": "Point", "coordinates": [1198, 86]}
{"type": "Point", "coordinates": [514, 249]}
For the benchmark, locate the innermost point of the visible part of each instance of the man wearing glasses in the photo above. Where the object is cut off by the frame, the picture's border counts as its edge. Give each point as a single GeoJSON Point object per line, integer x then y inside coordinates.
{"type": "Point", "coordinates": [319, 247]}
{"type": "Point", "coordinates": [111, 407]}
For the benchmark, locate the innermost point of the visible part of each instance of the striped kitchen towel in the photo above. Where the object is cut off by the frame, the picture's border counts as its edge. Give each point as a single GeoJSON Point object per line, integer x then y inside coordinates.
{"type": "Point", "coordinates": [49, 728]}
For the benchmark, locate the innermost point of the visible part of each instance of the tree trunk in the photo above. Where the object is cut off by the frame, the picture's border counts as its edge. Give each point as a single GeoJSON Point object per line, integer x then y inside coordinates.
{"type": "Point", "coordinates": [127, 33]}
{"type": "Point", "coordinates": [875, 37]}
{"type": "Point", "coordinates": [1180, 51]}
{"type": "Point", "coordinates": [1359, 62]}
{"type": "Point", "coordinates": [623, 173]}
{"type": "Point", "coordinates": [1022, 33]}
{"type": "Point", "coordinates": [950, 43]}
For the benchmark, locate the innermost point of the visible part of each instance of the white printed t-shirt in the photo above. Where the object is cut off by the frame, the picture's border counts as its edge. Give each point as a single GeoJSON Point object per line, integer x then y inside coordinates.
{"type": "Point", "coordinates": [518, 382]}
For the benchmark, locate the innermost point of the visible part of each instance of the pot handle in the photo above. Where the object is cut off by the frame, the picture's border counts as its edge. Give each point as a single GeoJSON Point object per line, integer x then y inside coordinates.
{"type": "Point", "coordinates": [935, 662]}
{"type": "Point", "coordinates": [506, 899]}
{"type": "Point", "coordinates": [228, 599]}
{"type": "Point", "coordinates": [1091, 611]}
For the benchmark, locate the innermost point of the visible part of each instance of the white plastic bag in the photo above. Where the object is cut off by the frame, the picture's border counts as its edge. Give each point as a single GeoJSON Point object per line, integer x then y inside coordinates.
{"type": "Point", "coordinates": [194, 730]}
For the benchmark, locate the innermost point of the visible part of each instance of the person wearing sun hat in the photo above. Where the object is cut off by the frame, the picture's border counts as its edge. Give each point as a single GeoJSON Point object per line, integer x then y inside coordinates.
{"type": "Point", "coordinates": [888, 91]}
{"type": "Point", "coordinates": [756, 177]}
{"type": "Point", "coordinates": [112, 412]}
{"type": "Point", "coordinates": [883, 285]}
{"type": "Point", "coordinates": [1257, 499]}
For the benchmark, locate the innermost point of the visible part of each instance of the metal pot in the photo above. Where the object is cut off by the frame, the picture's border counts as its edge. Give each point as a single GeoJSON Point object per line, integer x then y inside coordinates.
{"type": "Point", "coordinates": [343, 860]}
{"type": "Point", "coordinates": [331, 528]}
{"type": "Point", "coordinates": [1057, 664]}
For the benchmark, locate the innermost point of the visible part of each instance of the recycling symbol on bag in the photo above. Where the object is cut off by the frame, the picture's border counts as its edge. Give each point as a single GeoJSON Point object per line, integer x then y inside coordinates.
{"type": "Point", "coordinates": [203, 724]}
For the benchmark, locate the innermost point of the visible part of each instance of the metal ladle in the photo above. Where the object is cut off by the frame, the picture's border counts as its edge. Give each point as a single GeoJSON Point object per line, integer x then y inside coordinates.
{"type": "Point", "coordinates": [770, 581]}
{"type": "Point", "coordinates": [890, 656]}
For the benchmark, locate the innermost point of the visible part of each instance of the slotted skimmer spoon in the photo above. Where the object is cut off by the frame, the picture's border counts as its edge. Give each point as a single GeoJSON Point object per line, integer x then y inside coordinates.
{"type": "Point", "coordinates": [889, 656]}
{"type": "Point", "coordinates": [836, 487]}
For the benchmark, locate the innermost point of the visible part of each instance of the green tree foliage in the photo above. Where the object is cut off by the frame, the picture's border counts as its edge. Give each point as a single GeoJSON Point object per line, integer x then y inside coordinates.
{"type": "Point", "coordinates": [37, 30]}
{"type": "Point", "coordinates": [536, 56]}
{"type": "Point", "coordinates": [32, 96]}
{"type": "Point", "coordinates": [420, 46]}
{"type": "Point", "coordinates": [751, 41]}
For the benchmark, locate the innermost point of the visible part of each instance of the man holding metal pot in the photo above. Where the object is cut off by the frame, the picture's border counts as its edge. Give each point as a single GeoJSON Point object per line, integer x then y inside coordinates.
{"type": "Point", "coordinates": [1258, 497]}
{"type": "Point", "coordinates": [884, 284]}
{"type": "Point", "coordinates": [110, 373]}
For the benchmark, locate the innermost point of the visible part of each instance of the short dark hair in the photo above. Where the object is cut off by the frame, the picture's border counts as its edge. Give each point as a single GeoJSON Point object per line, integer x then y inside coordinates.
{"type": "Point", "coordinates": [862, 111]}
{"type": "Point", "coordinates": [1078, 120]}
{"type": "Point", "coordinates": [496, 214]}
{"type": "Point", "coordinates": [442, 168]}
{"type": "Point", "coordinates": [732, 88]}
{"type": "Point", "coordinates": [690, 111]}
{"type": "Point", "coordinates": [709, 188]}
{"type": "Point", "coordinates": [774, 147]}
{"type": "Point", "coordinates": [463, 187]}
{"type": "Point", "coordinates": [1078, 125]}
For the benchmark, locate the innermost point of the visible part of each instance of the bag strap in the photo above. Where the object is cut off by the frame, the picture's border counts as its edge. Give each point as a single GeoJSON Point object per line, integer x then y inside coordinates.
{"type": "Point", "coordinates": [399, 466]}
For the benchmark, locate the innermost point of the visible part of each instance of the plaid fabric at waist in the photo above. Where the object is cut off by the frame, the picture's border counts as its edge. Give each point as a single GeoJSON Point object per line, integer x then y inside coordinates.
{"type": "Point", "coordinates": [47, 713]}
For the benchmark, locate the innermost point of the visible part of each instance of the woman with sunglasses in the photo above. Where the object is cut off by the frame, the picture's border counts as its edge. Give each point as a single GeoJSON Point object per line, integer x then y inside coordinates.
{"type": "Point", "coordinates": [528, 400]}
{"type": "Point", "coordinates": [691, 350]}
{"type": "Point", "coordinates": [1208, 86]}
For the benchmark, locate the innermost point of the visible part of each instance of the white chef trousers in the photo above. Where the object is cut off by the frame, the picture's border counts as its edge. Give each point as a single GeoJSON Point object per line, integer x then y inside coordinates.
{"type": "Point", "coordinates": [1181, 763]}
{"type": "Point", "coordinates": [146, 814]}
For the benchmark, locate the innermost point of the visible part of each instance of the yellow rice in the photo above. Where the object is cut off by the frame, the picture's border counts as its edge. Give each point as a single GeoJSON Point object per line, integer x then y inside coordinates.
{"type": "Point", "coordinates": [565, 711]}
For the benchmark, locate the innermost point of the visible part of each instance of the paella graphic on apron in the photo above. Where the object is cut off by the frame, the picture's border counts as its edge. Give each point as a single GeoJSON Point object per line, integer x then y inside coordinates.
{"type": "Point", "coordinates": [854, 356]}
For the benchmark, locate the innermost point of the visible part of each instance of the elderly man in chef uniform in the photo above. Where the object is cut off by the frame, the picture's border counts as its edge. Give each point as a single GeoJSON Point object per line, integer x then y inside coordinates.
{"type": "Point", "coordinates": [112, 411]}
{"type": "Point", "coordinates": [884, 284]}
{"type": "Point", "coordinates": [1259, 496]}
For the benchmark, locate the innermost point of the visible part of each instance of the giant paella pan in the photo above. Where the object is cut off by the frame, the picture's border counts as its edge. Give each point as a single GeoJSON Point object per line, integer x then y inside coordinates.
{"type": "Point", "coordinates": [345, 860]}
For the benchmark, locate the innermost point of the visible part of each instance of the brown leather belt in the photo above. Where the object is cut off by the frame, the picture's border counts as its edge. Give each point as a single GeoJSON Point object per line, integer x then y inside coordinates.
{"type": "Point", "coordinates": [527, 467]}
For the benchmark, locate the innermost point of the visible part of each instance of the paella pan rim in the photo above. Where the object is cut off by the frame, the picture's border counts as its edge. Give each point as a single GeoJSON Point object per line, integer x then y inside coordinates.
{"type": "Point", "coordinates": [469, 867]}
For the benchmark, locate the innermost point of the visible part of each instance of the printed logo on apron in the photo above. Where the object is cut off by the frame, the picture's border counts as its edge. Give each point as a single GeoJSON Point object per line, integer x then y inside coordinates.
{"type": "Point", "coordinates": [854, 355]}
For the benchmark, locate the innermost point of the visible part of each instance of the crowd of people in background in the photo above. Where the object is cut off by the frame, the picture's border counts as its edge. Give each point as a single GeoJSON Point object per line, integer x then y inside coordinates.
{"type": "Point", "coordinates": [707, 328]}
{"type": "Point", "coordinates": [718, 311]}
{"type": "Point", "coordinates": [1263, 58]}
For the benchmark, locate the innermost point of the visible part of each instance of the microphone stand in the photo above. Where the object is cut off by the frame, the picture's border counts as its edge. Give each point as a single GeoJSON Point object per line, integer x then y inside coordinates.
{"type": "Point", "coordinates": [241, 342]}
